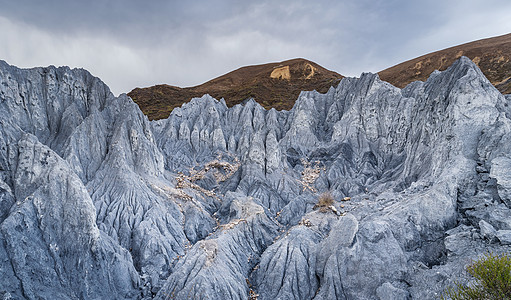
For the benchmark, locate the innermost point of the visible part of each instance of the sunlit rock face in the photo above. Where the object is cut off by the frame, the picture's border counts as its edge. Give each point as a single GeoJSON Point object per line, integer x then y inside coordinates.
{"type": "Point", "coordinates": [96, 202]}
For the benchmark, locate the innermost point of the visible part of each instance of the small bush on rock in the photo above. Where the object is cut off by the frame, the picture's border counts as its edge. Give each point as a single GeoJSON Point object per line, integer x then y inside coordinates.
{"type": "Point", "coordinates": [324, 202]}
{"type": "Point", "coordinates": [492, 275]}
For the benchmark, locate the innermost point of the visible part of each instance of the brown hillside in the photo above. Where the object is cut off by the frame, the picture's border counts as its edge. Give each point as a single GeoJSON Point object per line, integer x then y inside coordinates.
{"type": "Point", "coordinates": [492, 55]}
{"type": "Point", "coordinates": [272, 85]}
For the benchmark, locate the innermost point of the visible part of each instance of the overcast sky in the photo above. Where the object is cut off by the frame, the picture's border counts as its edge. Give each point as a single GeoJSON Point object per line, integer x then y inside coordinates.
{"type": "Point", "coordinates": [132, 44]}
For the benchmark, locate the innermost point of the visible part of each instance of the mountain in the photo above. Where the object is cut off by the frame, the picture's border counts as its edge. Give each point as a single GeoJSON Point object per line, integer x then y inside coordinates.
{"type": "Point", "coordinates": [367, 191]}
{"type": "Point", "coordinates": [491, 55]}
{"type": "Point", "coordinates": [274, 85]}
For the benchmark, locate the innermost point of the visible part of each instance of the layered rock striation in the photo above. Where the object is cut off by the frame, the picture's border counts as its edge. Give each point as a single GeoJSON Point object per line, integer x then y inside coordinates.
{"type": "Point", "coordinates": [222, 203]}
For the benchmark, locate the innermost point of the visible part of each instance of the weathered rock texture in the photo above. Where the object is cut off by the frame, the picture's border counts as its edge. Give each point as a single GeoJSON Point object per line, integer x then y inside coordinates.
{"type": "Point", "coordinates": [96, 202]}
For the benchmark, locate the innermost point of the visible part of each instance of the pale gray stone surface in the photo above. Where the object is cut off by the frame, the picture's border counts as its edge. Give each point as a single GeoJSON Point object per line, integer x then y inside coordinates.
{"type": "Point", "coordinates": [487, 231]}
{"type": "Point", "coordinates": [504, 236]}
{"type": "Point", "coordinates": [96, 202]}
{"type": "Point", "coordinates": [389, 292]}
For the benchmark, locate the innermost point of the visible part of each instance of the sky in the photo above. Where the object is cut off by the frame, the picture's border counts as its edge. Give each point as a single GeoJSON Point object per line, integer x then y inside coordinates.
{"type": "Point", "coordinates": [130, 43]}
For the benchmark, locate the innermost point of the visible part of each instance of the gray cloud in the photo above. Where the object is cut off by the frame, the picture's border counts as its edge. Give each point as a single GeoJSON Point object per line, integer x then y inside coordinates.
{"type": "Point", "coordinates": [141, 43]}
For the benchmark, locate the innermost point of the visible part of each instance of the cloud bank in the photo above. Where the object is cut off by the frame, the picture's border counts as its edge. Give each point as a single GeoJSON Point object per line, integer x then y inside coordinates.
{"type": "Point", "coordinates": [134, 44]}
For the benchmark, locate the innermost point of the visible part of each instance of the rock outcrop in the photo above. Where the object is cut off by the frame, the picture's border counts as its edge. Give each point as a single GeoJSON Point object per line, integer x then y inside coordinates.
{"type": "Point", "coordinates": [222, 203]}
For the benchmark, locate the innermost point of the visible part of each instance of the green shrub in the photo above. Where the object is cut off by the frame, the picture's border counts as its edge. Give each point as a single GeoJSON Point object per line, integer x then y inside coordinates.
{"type": "Point", "coordinates": [492, 275]}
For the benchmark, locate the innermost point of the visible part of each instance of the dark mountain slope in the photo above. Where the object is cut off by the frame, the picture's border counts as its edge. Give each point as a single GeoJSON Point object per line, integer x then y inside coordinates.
{"type": "Point", "coordinates": [491, 55]}
{"type": "Point", "coordinates": [272, 85]}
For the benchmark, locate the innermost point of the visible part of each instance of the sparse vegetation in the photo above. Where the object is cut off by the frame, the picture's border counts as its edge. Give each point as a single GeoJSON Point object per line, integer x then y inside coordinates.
{"type": "Point", "coordinates": [492, 275]}
{"type": "Point", "coordinates": [248, 82]}
{"type": "Point", "coordinates": [325, 200]}
{"type": "Point", "coordinates": [491, 55]}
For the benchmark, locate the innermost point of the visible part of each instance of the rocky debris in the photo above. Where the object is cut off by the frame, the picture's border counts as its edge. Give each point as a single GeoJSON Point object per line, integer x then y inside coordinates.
{"type": "Point", "coordinates": [252, 295]}
{"type": "Point", "coordinates": [305, 222]}
{"type": "Point", "coordinates": [504, 237]}
{"type": "Point", "coordinates": [497, 215]}
{"type": "Point", "coordinates": [219, 203]}
{"type": "Point", "coordinates": [487, 231]}
{"type": "Point", "coordinates": [309, 175]}
{"type": "Point", "coordinates": [389, 292]}
{"type": "Point", "coordinates": [218, 170]}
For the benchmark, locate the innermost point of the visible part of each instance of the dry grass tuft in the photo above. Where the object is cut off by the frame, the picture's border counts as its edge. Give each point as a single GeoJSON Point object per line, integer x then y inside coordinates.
{"type": "Point", "coordinates": [325, 200]}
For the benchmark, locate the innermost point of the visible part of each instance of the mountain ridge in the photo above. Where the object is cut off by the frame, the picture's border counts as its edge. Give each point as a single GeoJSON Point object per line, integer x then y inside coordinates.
{"type": "Point", "coordinates": [492, 55]}
{"type": "Point", "coordinates": [271, 84]}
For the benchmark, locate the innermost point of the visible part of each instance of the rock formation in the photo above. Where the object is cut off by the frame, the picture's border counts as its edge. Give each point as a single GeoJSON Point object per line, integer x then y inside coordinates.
{"type": "Point", "coordinates": [97, 202]}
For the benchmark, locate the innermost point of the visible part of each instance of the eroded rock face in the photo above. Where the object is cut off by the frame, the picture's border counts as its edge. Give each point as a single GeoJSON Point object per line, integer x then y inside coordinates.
{"type": "Point", "coordinates": [222, 203]}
